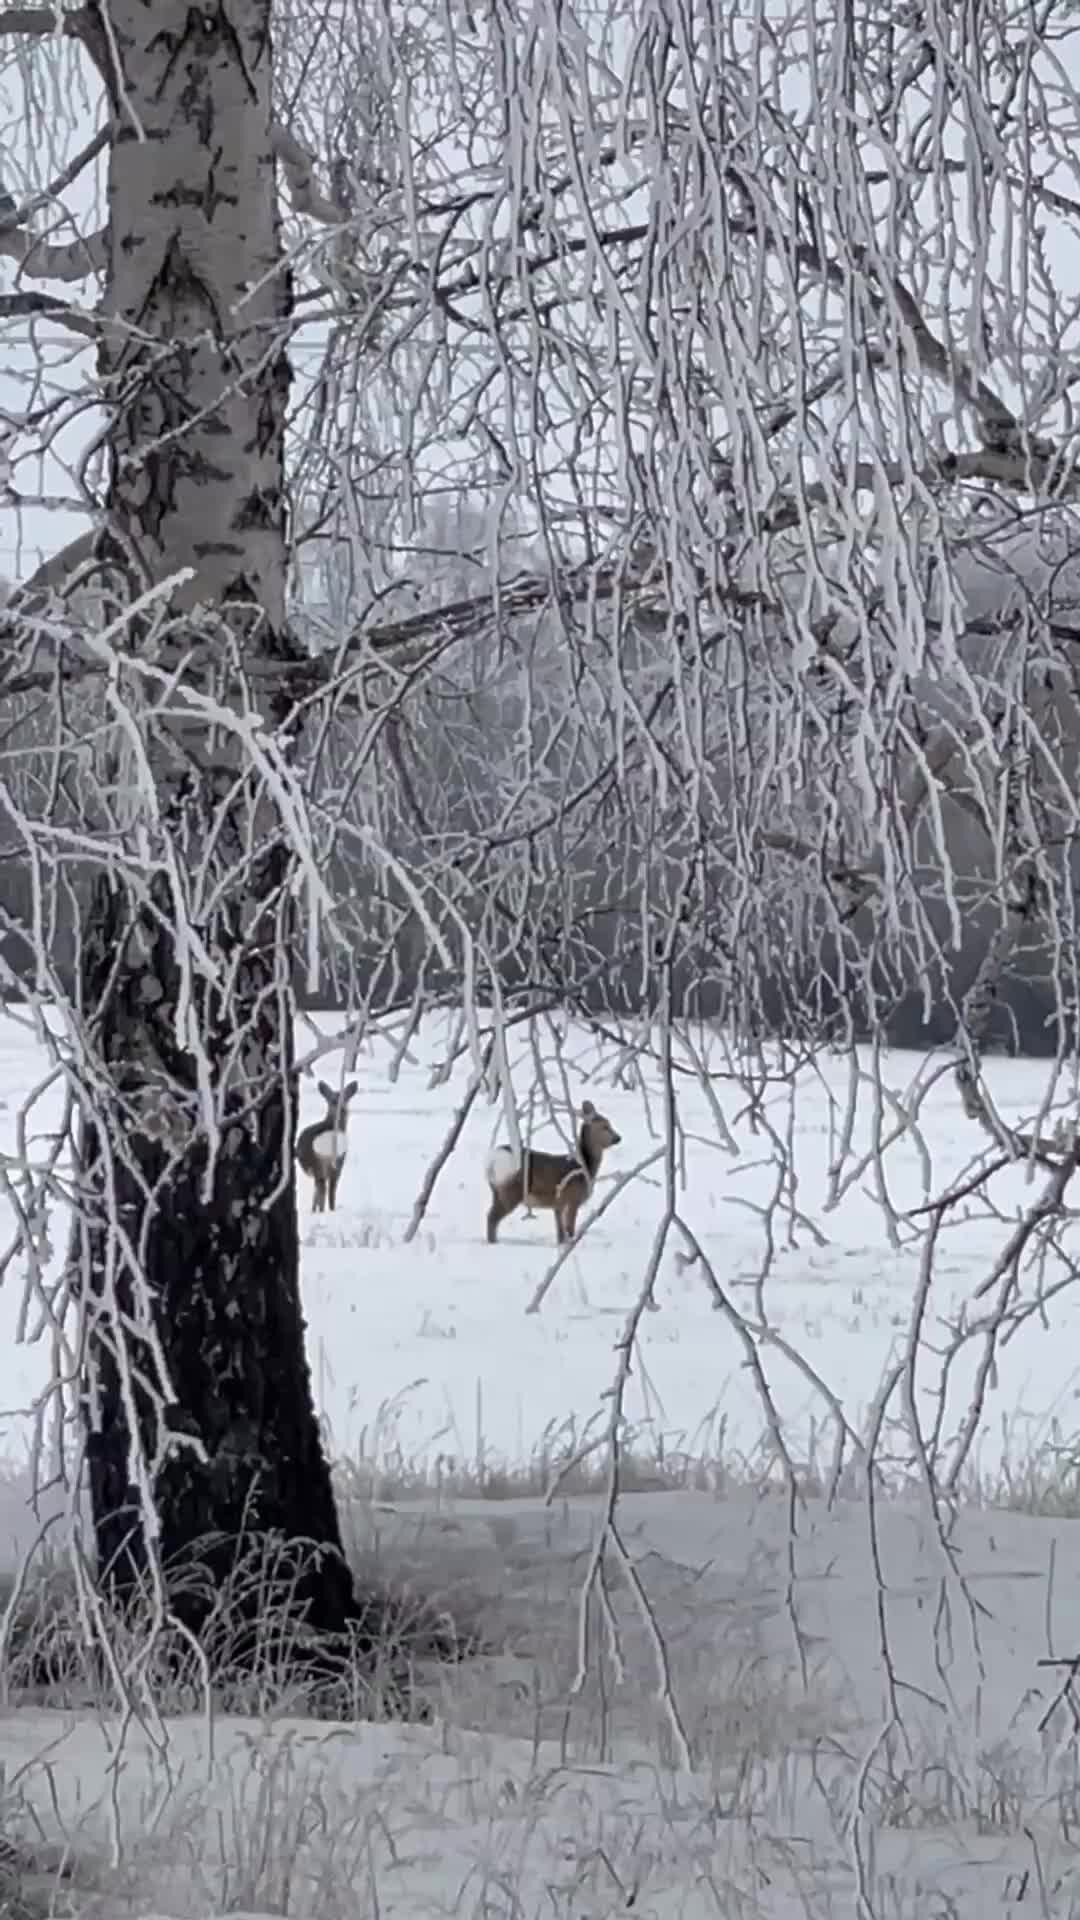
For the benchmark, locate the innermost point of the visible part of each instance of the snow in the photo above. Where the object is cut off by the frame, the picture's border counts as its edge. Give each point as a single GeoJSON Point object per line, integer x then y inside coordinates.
{"type": "Point", "coordinates": [435, 1331]}
{"type": "Point", "coordinates": [783, 1644]}
{"type": "Point", "coordinates": [426, 1347]}
{"type": "Point", "coordinates": [869, 1726]}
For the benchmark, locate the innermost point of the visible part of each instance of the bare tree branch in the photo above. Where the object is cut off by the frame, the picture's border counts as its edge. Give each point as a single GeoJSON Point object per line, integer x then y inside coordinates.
{"type": "Point", "coordinates": [52, 575]}
{"type": "Point", "coordinates": [74, 23]}
{"type": "Point", "coordinates": [38, 260]}
{"type": "Point", "coordinates": [40, 22]}
{"type": "Point", "coordinates": [26, 305]}
{"type": "Point", "coordinates": [299, 170]}
{"type": "Point", "coordinates": [19, 215]}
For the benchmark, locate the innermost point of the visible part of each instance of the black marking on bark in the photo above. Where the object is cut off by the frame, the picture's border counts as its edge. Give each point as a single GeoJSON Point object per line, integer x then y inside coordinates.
{"type": "Point", "coordinates": [203, 549]}
{"type": "Point", "coordinates": [229, 32]}
{"type": "Point", "coordinates": [143, 137]}
{"type": "Point", "coordinates": [175, 43]}
{"type": "Point", "coordinates": [206, 199]}
{"type": "Point", "coordinates": [196, 464]}
{"type": "Point", "coordinates": [261, 508]}
{"type": "Point", "coordinates": [271, 407]}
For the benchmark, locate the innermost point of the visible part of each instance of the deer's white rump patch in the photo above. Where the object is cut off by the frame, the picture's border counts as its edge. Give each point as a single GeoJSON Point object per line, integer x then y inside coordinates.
{"type": "Point", "coordinates": [328, 1146]}
{"type": "Point", "coordinates": [502, 1165]}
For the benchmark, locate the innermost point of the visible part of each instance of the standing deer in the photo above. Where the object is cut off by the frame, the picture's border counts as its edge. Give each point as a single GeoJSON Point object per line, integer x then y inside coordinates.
{"type": "Point", "coordinates": [321, 1148]}
{"type": "Point", "coordinates": [561, 1182]}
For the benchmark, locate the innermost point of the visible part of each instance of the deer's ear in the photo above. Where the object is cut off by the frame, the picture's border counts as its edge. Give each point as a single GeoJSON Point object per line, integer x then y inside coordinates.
{"type": "Point", "coordinates": [587, 1110]}
{"type": "Point", "coordinates": [349, 1091]}
{"type": "Point", "coordinates": [327, 1092]}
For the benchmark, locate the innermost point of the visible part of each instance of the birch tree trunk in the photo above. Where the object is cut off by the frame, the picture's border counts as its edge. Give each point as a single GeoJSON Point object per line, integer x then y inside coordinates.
{"type": "Point", "coordinates": [198, 1399]}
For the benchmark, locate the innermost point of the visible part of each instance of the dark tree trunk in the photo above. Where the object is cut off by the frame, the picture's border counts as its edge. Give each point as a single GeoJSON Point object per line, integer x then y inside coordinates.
{"type": "Point", "coordinates": [203, 1444]}
{"type": "Point", "coordinates": [209, 1240]}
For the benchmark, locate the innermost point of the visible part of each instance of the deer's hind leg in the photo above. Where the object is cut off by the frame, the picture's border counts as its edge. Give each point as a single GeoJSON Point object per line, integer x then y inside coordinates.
{"type": "Point", "coordinates": [566, 1213]}
{"type": "Point", "coordinates": [504, 1202]}
{"type": "Point", "coordinates": [332, 1179]}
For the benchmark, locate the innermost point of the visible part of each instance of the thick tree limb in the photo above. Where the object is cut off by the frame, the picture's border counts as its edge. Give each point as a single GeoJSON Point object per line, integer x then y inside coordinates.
{"type": "Point", "coordinates": [998, 424]}
{"type": "Point", "coordinates": [39, 21]}
{"type": "Point", "coordinates": [862, 881]}
{"type": "Point", "coordinates": [45, 306]}
{"type": "Point", "coordinates": [19, 216]}
{"type": "Point", "coordinates": [1019, 469]}
{"type": "Point", "coordinates": [412, 642]}
{"type": "Point", "coordinates": [299, 170]}
{"type": "Point", "coordinates": [38, 260]}
{"type": "Point", "coordinates": [31, 594]}
{"type": "Point", "coordinates": [1000, 427]}
{"type": "Point", "coordinates": [435, 628]}
{"type": "Point", "coordinates": [74, 23]}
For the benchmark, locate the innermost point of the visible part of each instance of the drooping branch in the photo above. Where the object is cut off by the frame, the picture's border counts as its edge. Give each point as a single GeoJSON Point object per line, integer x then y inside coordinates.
{"type": "Point", "coordinates": [861, 882]}
{"type": "Point", "coordinates": [426, 635]}
{"type": "Point", "coordinates": [809, 247]}
{"type": "Point", "coordinates": [1022, 905]}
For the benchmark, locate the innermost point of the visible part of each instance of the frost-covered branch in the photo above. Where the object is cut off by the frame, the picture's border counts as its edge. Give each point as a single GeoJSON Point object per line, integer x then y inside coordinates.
{"type": "Point", "coordinates": [679, 614]}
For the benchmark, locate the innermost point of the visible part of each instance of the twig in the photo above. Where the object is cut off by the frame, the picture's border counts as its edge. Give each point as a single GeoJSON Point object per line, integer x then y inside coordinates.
{"type": "Point", "coordinates": [571, 1246]}
{"type": "Point", "coordinates": [450, 1140]}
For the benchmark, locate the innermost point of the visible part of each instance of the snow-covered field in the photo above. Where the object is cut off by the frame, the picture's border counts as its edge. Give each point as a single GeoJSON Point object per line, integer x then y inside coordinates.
{"type": "Point", "coordinates": [426, 1350]}
{"type": "Point", "coordinates": [858, 1685]}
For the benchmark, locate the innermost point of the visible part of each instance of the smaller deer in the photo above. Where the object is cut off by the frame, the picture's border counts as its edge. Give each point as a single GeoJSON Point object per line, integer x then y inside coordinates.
{"type": "Point", "coordinates": [561, 1182]}
{"type": "Point", "coordinates": [321, 1148]}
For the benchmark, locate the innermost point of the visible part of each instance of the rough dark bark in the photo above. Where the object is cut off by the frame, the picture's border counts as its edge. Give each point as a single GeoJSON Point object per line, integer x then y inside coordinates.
{"type": "Point", "coordinates": [214, 1238]}
{"type": "Point", "coordinates": [197, 1393]}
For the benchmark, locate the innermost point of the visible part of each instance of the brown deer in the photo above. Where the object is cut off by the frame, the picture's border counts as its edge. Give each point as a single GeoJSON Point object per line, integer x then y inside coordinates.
{"type": "Point", "coordinates": [559, 1181]}
{"type": "Point", "coordinates": [321, 1148]}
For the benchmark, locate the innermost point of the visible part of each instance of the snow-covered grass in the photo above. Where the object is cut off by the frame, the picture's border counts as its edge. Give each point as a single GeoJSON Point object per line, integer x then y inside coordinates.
{"type": "Point", "coordinates": [799, 1687]}
{"type": "Point", "coordinates": [425, 1360]}
{"type": "Point", "coordinates": [523, 1798]}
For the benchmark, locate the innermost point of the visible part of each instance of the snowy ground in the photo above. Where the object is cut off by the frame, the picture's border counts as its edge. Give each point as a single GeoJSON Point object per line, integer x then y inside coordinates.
{"type": "Point", "coordinates": [427, 1348]}
{"type": "Point", "coordinates": [867, 1737]}
{"type": "Point", "coordinates": [859, 1688]}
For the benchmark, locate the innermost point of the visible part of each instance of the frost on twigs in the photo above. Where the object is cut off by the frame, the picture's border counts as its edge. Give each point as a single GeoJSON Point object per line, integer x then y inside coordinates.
{"type": "Point", "coordinates": [604, 569]}
{"type": "Point", "coordinates": [257, 1650]}
{"type": "Point", "coordinates": [188, 830]}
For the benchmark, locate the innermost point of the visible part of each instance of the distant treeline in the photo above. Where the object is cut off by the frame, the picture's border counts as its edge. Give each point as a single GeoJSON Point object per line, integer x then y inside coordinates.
{"type": "Point", "coordinates": [602, 971]}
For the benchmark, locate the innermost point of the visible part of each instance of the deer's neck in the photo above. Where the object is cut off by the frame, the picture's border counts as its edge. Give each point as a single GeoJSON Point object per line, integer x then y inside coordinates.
{"type": "Point", "coordinates": [589, 1155]}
